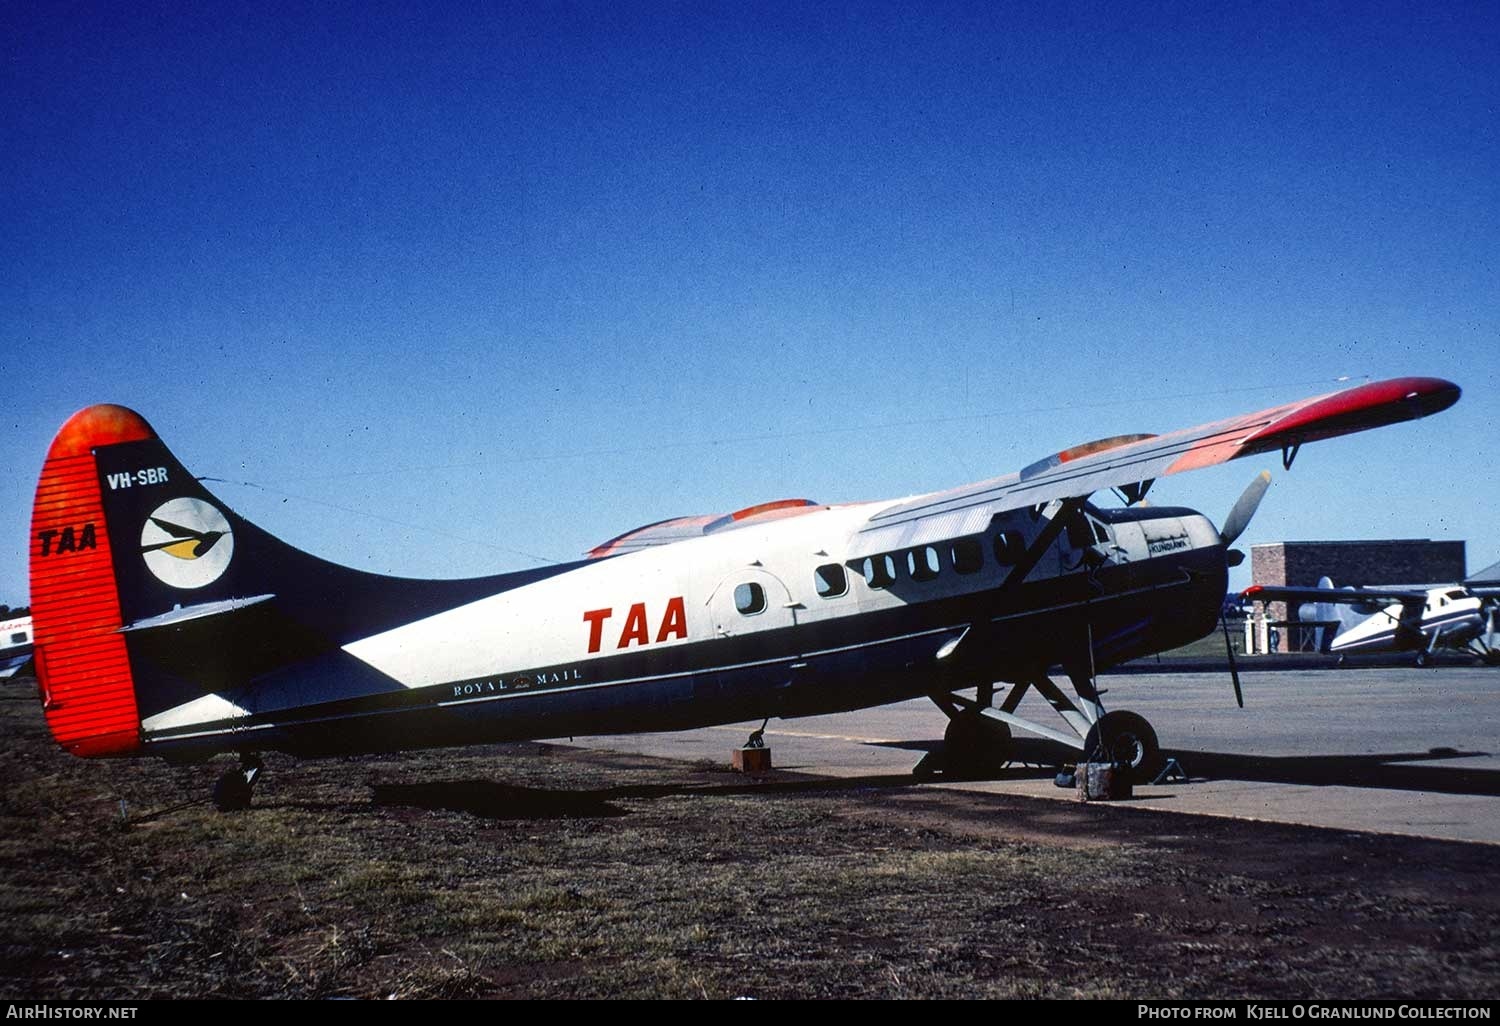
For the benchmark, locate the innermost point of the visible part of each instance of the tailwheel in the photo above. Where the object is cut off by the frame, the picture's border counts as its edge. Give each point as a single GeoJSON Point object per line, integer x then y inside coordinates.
{"type": "Point", "coordinates": [1126, 739]}
{"type": "Point", "coordinates": [233, 790]}
{"type": "Point", "coordinates": [975, 745]}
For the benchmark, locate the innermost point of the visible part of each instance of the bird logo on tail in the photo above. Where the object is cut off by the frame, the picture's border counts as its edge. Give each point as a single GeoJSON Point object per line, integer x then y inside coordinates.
{"type": "Point", "coordinates": [187, 543]}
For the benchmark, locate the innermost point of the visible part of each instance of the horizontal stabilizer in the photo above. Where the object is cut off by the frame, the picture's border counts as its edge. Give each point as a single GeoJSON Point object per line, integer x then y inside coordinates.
{"type": "Point", "coordinates": [182, 615]}
{"type": "Point", "coordinates": [13, 665]}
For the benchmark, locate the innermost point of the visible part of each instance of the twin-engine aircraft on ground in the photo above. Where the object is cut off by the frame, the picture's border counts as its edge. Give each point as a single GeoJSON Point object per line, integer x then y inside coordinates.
{"type": "Point", "coordinates": [168, 625]}
{"type": "Point", "coordinates": [1412, 618]}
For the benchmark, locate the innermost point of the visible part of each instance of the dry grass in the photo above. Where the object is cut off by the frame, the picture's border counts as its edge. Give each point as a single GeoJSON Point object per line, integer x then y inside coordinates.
{"type": "Point", "coordinates": [533, 871]}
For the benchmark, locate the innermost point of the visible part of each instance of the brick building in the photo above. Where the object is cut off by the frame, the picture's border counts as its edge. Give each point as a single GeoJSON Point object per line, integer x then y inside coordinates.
{"type": "Point", "coordinates": [1387, 562]}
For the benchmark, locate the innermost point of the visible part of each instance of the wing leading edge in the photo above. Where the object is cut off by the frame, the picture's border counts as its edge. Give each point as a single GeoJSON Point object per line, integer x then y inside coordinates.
{"type": "Point", "coordinates": [1130, 460]}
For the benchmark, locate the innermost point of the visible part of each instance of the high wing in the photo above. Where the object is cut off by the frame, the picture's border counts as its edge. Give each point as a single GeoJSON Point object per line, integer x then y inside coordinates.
{"type": "Point", "coordinates": [1134, 461]}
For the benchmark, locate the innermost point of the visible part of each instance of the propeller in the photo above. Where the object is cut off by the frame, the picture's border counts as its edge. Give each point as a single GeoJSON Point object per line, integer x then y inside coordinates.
{"type": "Point", "coordinates": [1234, 525]}
{"type": "Point", "coordinates": [1234, 670]}
{"type": "Point", "coordinates": [1244, 508]}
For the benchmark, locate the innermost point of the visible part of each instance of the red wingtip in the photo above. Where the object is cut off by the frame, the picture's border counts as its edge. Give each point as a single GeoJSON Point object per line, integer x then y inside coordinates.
{"type": "Point", "coordinates": [104, 424]}
{"type": "Point", "coordinates": [1373, 405]}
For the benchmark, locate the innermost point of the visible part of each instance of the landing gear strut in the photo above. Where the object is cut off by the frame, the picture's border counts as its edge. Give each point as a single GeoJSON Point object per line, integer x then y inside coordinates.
{"type": "Point", "coordinates": [234, 789]}
{"type": "Point", "coordinates": [977, 742]}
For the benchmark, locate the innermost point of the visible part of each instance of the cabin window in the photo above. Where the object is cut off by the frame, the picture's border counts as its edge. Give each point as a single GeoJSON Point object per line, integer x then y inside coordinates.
{"type": "Point", "coordinates": [967, 556]}
{"type": "Point", "coordinates": [831, 580]}
{"type": "Point", "coordinates": [879, 571]}
{"type": "Point", "coordinates": [922, 564]}
{"type": "Point", "coordinates": [749, 598]}
{"type": "Point", "coordinates": [1010, 546]}
{"type": "Point", "coordinates": [16, 639]}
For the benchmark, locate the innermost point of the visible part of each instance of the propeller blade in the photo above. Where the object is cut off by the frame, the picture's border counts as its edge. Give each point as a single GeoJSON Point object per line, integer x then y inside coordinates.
{"type": "Point", "coordinates": [1234, 671]}
{"type": "Point", "coordinates": [1244, 508]}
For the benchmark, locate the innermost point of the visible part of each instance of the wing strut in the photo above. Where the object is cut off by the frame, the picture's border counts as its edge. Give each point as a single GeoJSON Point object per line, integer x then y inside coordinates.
{"type": "Point", "coordinates": [1135, 491]}
{"type": "Point", "coordinates": [1067, 509]}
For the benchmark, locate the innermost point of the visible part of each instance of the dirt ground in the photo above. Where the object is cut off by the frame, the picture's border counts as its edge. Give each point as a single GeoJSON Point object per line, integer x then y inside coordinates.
{"type": "Point", "coordinates": [544, 871]}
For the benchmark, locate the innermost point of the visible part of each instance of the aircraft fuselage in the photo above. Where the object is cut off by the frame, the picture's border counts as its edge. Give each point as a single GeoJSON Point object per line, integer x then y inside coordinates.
{"type": "Point", "coordinates": [764, 620]}
{"type": "Point", "coordinates": [1450, 616]}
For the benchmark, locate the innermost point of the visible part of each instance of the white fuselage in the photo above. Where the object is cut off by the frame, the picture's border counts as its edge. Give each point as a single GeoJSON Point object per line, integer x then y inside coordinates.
{"type": "Point", "coordinates": [1449, 616]}
{"type": "Point", "coordinates": [15, 644]}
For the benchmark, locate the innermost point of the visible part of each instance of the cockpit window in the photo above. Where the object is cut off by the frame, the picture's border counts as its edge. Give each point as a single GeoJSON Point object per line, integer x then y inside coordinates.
{"type": "Point", "coordinates": [1080, 531]}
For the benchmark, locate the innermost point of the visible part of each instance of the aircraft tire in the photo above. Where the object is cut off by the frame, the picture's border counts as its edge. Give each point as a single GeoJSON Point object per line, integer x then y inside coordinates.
{"type": "Point", "coordinates": [975, 746]}
{"type": "Point", "coordinates": [1126, 738]}
{"type": "Point", "coordinates": [232, 792]}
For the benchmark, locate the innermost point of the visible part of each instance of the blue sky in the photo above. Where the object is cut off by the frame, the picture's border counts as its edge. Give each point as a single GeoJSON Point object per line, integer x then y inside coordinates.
{"type": "Point", "coordinates": [460, 290]}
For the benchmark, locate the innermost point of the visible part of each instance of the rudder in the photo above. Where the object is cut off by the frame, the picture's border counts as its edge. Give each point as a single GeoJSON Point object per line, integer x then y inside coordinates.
{"type": "Point", "coordinates": [88, 693]}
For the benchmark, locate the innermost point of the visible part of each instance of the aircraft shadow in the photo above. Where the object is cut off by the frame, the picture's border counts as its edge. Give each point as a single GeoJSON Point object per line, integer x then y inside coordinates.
{"type": "Point", "coordinates": [490, 800]}
{"type": "Point", "coordinates": [1034, 759]}
{"type": "Point", "coordinates": [1393, 770]}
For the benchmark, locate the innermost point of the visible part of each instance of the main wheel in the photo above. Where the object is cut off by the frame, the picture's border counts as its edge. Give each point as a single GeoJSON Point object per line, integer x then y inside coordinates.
{"type": "Point", "coordinates": [1126, 739]}
{"type": "Point", "coordinates": [975, 745]}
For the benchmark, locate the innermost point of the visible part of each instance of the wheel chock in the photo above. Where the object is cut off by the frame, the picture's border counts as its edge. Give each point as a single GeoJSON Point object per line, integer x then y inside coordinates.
{"type": "Point", "coordinates": [1171, 773]}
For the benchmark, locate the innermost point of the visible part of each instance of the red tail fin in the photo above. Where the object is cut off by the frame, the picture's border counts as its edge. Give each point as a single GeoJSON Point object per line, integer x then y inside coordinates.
{"type": "Point", "coordinates": [89, 697]}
